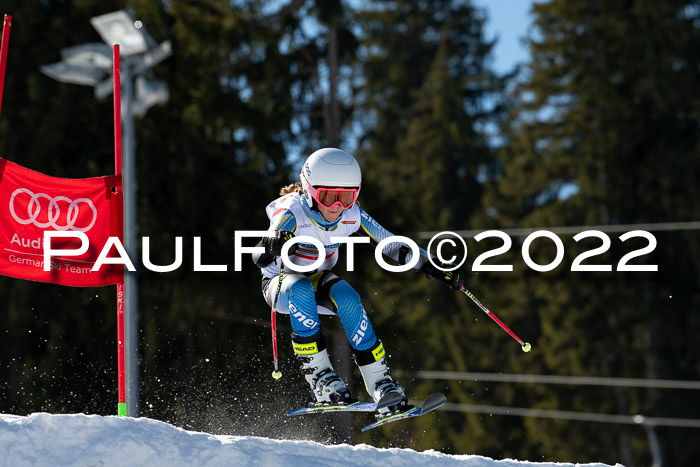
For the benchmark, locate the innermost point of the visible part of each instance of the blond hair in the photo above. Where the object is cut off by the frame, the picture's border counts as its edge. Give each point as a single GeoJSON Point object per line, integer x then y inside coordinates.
{"type": "Point", "coordinates": [292, 188]}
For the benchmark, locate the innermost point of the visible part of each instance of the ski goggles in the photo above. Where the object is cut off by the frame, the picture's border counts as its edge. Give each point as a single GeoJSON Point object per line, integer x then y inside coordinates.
{"type": "Point", "coordinates": [330, 197]}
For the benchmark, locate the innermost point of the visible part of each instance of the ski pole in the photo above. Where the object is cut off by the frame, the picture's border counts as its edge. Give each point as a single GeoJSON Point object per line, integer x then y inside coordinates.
{"type": "Point", "coordinates": [276, 373]}
{"type": "Point", "coordinates": [524, 345]}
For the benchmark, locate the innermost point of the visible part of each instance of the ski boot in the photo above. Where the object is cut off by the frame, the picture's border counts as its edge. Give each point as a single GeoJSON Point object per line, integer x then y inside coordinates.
{"type": "Point", "coordinates": [326, 386]}
{"type": "Point", "coordinates": [378, 381]}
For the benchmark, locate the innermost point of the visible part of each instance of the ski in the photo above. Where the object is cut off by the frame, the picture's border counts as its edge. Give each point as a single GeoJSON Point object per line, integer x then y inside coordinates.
{"type": "Point", "coordinates": [387, 400]}
{"type": "Point", "coordinates": [430, 403]}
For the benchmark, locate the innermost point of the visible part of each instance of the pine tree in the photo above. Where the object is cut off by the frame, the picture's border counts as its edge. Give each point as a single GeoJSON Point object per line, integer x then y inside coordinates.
{"type": "Point", "coordinates": [207, 162]}
{"type": "Point", "coordinates": [603, 132]}
{"type": "Point", "coordinates": [228, 132]}
{"type": "Point", "coordinates": [421, 106]}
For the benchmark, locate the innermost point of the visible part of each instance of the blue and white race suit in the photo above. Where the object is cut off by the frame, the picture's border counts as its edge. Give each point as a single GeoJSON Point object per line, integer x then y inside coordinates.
{"type": "Point", "coordinates": [304, 296]}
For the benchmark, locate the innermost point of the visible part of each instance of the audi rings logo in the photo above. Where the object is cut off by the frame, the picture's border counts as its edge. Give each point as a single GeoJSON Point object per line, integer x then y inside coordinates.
{"type": "Point", "coordinates": [53, 217]}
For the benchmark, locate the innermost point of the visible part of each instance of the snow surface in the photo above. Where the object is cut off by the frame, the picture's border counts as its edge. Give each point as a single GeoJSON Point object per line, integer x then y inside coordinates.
{"type": "Point", "coordinates": [93, 440]}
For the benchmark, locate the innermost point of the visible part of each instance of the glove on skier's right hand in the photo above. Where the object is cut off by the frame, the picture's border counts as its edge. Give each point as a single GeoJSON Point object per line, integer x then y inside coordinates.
{"type": "Point", "coordinates": [273, 245]}
{"type": "Point", "coordinates": [453, 279]}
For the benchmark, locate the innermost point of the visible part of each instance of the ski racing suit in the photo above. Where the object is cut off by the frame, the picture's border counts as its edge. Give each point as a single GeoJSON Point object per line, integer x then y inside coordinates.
{"type": "Point", "coordinates": [305, 296]}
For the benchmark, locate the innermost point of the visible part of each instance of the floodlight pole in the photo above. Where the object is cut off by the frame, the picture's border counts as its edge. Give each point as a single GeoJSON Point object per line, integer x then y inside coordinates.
{"type": "Point", "coordinates": [86, 67]}
{"type": "Point", "coordinates": [130, 229]}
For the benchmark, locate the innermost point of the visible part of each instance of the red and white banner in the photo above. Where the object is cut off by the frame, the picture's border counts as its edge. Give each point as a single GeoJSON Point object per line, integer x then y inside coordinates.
{"type": "Point", "coordinates": [31, 203]}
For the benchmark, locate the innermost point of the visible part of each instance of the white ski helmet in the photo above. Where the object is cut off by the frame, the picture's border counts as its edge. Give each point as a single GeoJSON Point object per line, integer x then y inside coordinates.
{"type": "Point", "coordinates": [329, 167]}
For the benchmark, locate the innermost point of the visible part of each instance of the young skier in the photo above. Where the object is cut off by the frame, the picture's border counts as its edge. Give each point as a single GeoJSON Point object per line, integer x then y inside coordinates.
{"type": "Point", "coordinates": [323, 205]}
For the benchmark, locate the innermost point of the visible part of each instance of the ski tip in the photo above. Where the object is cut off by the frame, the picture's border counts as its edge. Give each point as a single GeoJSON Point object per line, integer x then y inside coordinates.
{"type": "Point", "coordinates": [433, 401]}
{"type": "Point", "coordinates": [435, 397]}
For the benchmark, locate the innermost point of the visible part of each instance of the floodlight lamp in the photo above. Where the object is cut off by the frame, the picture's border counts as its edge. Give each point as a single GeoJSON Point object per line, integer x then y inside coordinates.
{"type": "Point", "coordinates": [119, 28]}
{"type": "Point", "coordinates": [94, 54]}
{"type": "Point", "coordinates": [74, 74]}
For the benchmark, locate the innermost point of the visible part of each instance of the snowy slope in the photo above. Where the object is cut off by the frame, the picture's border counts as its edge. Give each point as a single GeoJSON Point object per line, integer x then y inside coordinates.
{"type": "Point", "coordinates": [91, 440]}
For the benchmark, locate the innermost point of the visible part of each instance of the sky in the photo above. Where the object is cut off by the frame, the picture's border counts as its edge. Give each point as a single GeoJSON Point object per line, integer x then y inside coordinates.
{"type": "Point", "coordinates": [508, 20]}
{"type": "Point", "coordinates": [78, 439]}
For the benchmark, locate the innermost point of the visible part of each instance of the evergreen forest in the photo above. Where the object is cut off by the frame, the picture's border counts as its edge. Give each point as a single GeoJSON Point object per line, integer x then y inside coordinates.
{"type": "Point", "coordinates": [597, 130]}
